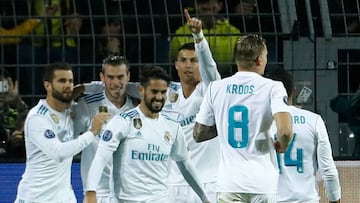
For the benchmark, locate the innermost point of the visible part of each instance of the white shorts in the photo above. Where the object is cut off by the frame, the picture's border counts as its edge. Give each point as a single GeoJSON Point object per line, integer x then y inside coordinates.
{"type": "Point", "coordinates": [230, 197]}
{"type": "Point", "coordinates": [185, 194]}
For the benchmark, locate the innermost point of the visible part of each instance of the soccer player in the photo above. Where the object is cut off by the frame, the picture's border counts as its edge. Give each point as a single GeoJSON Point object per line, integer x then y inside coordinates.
{"type": "Point", "coordinates": [141, 142]}
{"type": "Point", "coordinates": [309, 152]}
{"type": "Point", "coordinates": [115, 75]}
{"type": "Point", "coordinates": [196, 69]}
{"type": "Point", "coordinates": [49, 141]}
{"type": "Point", "coordinates": [240, 109]}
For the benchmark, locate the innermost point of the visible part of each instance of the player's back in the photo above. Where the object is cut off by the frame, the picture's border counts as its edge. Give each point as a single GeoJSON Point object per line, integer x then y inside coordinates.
{"type": "Point", "coordinates": [243, 105]}
{"type": "Point", "coordinates": [298, 165]}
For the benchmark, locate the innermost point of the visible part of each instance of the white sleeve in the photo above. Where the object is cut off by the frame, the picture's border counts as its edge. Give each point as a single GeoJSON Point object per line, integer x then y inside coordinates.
{"type": "Point", "coordinates": [190, 175]}
{"type": "Point", "coordinates": [326, 163]}
{"type": "Point", "coordinates": [207, 66]}
{"type": "Point", "coordinates": [93, 87]}
{"type": "Point", "coordinates": [109, 142]}
{"type": "Point", "coordinates": [43, 136]}
{"type": "Point", "coordinates": [179, 150]}
{"type": "Point", "coordinates": [206, 113]}
{"type": "Point", "coordinates": [279, 98]}
{"type": "Point", "coordinates": [102, 157]}
{"type": "Point", "coordinates": [82, 118]}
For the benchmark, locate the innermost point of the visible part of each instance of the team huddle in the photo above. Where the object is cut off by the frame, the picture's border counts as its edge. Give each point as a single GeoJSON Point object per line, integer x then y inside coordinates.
{"type": "Point", "coordinates": [203, 139]}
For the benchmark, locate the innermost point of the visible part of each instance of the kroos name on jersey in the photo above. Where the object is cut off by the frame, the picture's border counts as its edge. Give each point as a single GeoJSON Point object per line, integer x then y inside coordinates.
{"type": "Point", "coordinates": [240, 89]}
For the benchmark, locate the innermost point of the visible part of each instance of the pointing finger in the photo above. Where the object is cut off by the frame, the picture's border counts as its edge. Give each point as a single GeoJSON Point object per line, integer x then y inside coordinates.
{"type": "Point", "coordinates": [187, 16]}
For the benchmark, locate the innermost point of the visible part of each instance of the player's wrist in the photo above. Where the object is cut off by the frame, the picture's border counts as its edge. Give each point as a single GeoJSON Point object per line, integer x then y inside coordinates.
{"type": "Point", "coordinates": [198, 36]}
{"type": "Point", "coordinates": [95, 132]}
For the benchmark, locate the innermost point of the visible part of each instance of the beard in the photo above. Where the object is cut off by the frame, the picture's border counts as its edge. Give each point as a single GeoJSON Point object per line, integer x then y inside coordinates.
{"type": "Point", "coordinates": [151, 107]}
{"type": "Point", "coordinates": [59, 96]}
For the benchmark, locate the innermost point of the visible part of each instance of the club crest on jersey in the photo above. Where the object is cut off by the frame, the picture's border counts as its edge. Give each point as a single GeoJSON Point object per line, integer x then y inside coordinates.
{"type": "Point", "coordinates": [173, 96]}
{"type": "Point", "coordinates": [167, 136]}
{"type": "Point", "coordinates": [54, 118]}
{"type": "Point", "coordinates": [107, 135]}
{"type": "Point", "coordinates": [137, 123]}
{"type": "Point", "coordinates": [49, 134]}
{"type": "Point", "coordinates": [285, 100]}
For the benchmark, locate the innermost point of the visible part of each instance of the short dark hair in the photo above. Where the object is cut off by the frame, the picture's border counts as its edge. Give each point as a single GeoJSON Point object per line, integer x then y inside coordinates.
{"type": "Point", "coordinates": [187, 46]}
{"type": "Point", "coordinates": [153, 73]}
{"type": "Point", "coordinates": [114, 60]}
{"type": "Point", "coordinates": [51, 68]}
{"type": "Point", "coordinates": [280, 74]}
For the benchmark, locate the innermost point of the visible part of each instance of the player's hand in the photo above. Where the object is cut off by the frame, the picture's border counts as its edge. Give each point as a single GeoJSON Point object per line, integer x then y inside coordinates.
{"type": "Point", "coordinates": [13, 93]}
{"type": "Point", "coordinates": [78, 90]}
{"type": "Point", "coordinates": [278, 147]}
{"type": "Point", "coordinates": [98, 121]}
{"type": "Point", "coordinates": [195, 24]}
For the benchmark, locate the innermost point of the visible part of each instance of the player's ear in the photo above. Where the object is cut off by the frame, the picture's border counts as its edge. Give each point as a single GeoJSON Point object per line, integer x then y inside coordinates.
{"type": "Point", "coordinates": [128, 76]}
{"type": "Point", "coordinates": [47, 85]}
{"type": "Point", "coordinates": [102, 77]}
{"type": "Point", "coordinates": [141, 90]}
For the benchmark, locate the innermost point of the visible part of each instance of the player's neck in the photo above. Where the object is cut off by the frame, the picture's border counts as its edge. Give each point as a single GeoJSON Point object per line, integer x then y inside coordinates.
{"type": "Point", "coordinates": [146, 111]}
{"type": "Point", "coordinates": [188, 88]}
{"type": "Point", "coordinates": [56, 104]}
{"type": "Point", "coordinates": [118, 102]}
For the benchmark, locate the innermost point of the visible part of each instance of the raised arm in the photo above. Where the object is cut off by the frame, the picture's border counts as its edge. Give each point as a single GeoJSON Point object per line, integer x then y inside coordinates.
{"type": "Point", "coordinates": [45, 138]}
{"type": "Point", "coordinates": [207, 66]}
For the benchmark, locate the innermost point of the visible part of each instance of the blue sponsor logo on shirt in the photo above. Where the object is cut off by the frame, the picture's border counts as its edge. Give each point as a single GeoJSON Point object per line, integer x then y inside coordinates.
{"type": "Point", "coordinates": [107, 135]}
{"type": "Point", "coordinates": [49, 134]}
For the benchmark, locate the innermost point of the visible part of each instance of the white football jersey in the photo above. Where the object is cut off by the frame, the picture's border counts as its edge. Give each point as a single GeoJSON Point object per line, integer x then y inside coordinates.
{"type": "Point", "coordinates": [308, 151]}
{"type": "Point", "coordinates": [204, 156]}
{"type": "Point", "coordinates": [242, 108]}
{"type": "Point", "coordinates": [141, 148]}
{"type": "Point", "coordinates": [50, 148]}
{"type": "Point", "coordinates": [86, 108]}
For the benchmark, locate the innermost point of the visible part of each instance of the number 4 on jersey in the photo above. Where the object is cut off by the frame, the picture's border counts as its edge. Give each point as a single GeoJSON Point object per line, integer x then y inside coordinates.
{"type": "Point", "coordinates": [298, 162]}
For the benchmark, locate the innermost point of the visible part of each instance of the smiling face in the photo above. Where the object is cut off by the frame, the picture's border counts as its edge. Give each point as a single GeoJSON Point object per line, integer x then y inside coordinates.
{"type": "Point", "coordinates": [61, 86]}
{"type": "Point", "coordinates": [187, 66]}
{"type": "Point", "coordinates": [115, 78]}
{"type": "Point", "coordinates": [154, 95]}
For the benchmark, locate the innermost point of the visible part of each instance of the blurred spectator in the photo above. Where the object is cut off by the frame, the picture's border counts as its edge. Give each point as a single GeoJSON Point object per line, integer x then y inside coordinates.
{"type": "Point", "coordinates": [220, 33]}
{"type": "Point", "coordinates": [109, 38]}
{"type": "Point", "coordinates": [54, 39]}
{"type": "Point", "coordinates": [258, 17]}
{"type": "Point", "coordinates": [242, 14]}
{"type": "Point", "coordinates": [107, 41]}
{"type": "Point", "coordinates": [12, 110]}
{"type": "Point", "coordinates": [14, 35]}
{"type": "Point", "coordinates": [113, 26]}
{"type": "Point", "coordinates": [349, 112]}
